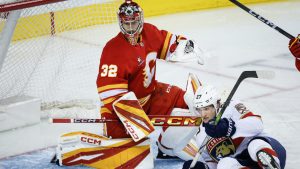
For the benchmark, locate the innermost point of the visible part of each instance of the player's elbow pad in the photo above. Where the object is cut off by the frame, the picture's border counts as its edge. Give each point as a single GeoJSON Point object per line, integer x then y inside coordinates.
{"type": "Point", "coordinates": [248, 127]}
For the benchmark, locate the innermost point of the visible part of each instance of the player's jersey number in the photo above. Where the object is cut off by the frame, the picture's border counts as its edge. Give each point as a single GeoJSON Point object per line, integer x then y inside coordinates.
{"type": "Point", "coordinates": [109, 70]}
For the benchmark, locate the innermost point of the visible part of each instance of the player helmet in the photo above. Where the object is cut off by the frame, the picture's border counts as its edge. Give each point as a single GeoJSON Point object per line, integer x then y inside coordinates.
{"type": "Point", "coordinates": [205, 96]}
{"type": "Point", "coordinates": [131, 20]}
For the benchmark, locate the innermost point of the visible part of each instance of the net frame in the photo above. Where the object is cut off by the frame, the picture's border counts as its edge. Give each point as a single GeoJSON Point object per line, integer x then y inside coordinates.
{"type": "Point", "coordinates": [57, 34]}
{"type": "Point", "coordinates": [7, 6]}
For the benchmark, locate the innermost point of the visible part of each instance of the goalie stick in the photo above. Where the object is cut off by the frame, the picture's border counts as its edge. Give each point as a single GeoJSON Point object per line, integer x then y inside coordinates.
{"type": "Point", "coordinates": [243, 76]}
{"type": "Point", "coordinates": [157, 120]}
{"type": "Point", "coordinates": [267, 22]}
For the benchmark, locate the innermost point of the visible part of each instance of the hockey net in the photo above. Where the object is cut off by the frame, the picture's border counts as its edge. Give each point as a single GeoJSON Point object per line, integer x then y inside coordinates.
{"type": "Point", "coordinates": [53, 51]}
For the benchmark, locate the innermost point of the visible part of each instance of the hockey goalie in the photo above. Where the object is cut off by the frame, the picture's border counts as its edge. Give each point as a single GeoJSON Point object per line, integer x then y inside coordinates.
{"type": "Point", "coordinates": [129, 93]}
{"type": "Point", "coordinates": [134, 151]}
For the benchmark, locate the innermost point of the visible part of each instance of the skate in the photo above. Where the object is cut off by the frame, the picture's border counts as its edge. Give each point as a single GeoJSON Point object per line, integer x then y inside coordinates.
{"type": "Point", "coordinates": [266, 160]}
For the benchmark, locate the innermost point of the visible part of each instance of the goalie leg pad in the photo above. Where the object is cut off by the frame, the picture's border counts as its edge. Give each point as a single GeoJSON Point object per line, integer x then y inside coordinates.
{"type": "Point", "coordinates": [193, 84]}
{"type": "Point", "coordinates": [82, 148]}
{"type": "Point", "coordinates": [133, 117]}
{"type": "Point", "coordinates": [179, 141]}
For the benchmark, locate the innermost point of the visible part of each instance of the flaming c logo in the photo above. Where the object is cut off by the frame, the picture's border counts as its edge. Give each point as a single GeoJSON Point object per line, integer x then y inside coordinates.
{"type": "Point", "coordinates": [149, 70]}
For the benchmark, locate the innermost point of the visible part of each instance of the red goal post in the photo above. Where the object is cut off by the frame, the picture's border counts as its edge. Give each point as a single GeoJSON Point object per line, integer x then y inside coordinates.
{"type": "Point", "coordinates": [6, 7]}
{"type": "Point", "coordinates": [50, 49]}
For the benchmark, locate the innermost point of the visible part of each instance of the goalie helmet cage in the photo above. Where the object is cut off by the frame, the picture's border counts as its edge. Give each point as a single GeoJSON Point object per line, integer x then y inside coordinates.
{"type": "Point", "coordinates": [43, 55]}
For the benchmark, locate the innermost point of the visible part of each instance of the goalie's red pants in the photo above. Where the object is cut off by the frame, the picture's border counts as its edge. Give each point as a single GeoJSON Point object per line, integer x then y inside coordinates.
{"type": "Point", "coordinates": [162, 101]}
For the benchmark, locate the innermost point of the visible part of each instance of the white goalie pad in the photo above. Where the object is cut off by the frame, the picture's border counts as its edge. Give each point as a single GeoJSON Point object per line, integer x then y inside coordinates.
{"type": "Point", "coordinates": [82, 148]}
{"type": "Point", "coordinates": [179, 141]}
{"type": "Point", "coordinates": [187, 52]}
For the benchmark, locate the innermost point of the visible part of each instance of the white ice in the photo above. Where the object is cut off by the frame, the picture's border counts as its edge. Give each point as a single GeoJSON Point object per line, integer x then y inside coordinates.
{"type": "Point", "coordinates": [234, 41]}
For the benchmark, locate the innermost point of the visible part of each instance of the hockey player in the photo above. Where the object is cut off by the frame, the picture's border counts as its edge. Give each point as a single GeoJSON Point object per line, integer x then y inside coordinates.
{"type": "Point", "coordinates": [129, 92]}
{"type": "Point", "coordinates": [126, 80]}
{"type": "Point", "coordinates": [237, 141]}
{"type": "Point", "coordinates": [294, 47]}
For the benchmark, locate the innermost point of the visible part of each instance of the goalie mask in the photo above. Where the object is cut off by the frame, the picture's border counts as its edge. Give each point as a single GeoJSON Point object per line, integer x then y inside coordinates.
{"type": "Point", "coordinates": [206, 96]}
{"type": "Point", "coordinates": [131, 21]}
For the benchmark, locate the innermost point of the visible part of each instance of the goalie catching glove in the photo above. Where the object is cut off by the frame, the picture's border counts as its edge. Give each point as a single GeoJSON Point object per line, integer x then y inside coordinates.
{"type": "Point", "coordinates": [294, 47]}
{"type": "Point", "coordinates": [186, 51]}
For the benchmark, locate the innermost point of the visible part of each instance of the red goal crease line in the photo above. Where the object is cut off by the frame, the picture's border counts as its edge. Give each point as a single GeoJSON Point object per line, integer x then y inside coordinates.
{"type": "Point", "coordinates": [156, 120]}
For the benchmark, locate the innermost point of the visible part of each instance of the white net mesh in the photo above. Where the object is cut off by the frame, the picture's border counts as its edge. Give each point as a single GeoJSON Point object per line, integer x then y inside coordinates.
{"type": "Point", "coordinates": [51, 58]}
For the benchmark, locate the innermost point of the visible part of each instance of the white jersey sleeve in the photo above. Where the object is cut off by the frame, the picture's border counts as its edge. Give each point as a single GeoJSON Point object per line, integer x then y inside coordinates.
{"type": "Point", "coordinates": [247, 123]}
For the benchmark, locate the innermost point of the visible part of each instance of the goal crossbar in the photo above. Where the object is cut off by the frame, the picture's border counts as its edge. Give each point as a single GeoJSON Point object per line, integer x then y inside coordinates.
{"type": "Point", "coordinates": [25, 4]}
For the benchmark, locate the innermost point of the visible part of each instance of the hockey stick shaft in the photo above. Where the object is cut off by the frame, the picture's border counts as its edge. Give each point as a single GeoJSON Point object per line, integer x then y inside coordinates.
{"type": "Point", "coordinates": [243, 76]}
{"type": "Point", "coordinates": [157, 120]}
{"type": "Point", "coordinates": [267, 22]}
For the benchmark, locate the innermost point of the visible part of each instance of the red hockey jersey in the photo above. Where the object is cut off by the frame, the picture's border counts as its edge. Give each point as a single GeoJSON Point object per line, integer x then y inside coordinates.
{"type": "Point", "coordinates": [124, 67]}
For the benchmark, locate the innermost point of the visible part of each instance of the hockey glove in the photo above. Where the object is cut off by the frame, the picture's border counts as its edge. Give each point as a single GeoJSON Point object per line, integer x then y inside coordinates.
{"type": "Point", "coordinates": [294, 47]}
{"type": "Point", "coordinates": [225, 128]}
{"type": "Point", "coordinates": [186, 51]}
{"type": "Point", "coordinates": [199, 165]}
{"type": "Point", "coordinates": [297, 63]}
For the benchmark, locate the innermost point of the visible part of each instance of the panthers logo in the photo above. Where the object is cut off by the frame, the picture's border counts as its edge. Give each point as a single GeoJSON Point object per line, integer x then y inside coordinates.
{"type": "Point", "coordinates": [219, 148]}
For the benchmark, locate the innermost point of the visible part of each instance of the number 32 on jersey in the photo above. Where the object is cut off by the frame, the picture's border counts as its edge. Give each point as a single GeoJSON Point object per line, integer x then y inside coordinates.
{"type": "Point", "coordinates": [109, 70]}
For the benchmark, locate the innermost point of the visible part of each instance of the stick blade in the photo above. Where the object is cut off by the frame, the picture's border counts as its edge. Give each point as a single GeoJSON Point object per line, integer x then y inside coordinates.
{"type": "Point", "coordinates": [265, 74]}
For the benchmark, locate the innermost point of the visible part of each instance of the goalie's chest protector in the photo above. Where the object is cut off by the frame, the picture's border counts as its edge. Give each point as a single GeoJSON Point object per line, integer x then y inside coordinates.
{"type": "Point", "coordinates": [134, 66]}
{"type": "Point", "coordinates": [137, 64]}
{"type": "Point", "coordinates": [141, 73]}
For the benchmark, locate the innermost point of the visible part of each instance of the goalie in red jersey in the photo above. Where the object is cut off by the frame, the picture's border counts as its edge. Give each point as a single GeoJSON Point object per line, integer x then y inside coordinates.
{"type": "Point", "coordinates": [128, 64]}
{"type": "Point", "coordinates": [129, 93]}
{"type": "Point", "coordinates": [126, 80]}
